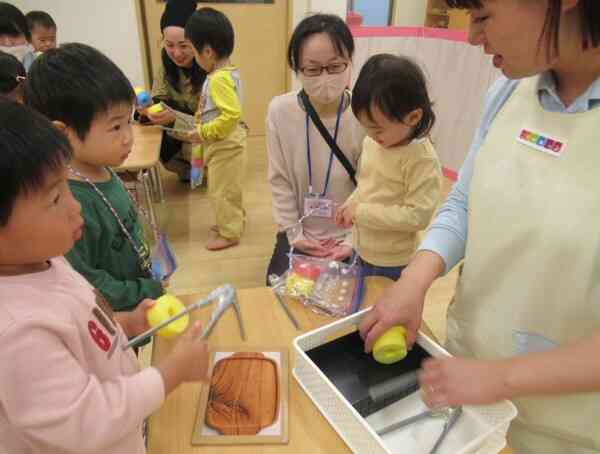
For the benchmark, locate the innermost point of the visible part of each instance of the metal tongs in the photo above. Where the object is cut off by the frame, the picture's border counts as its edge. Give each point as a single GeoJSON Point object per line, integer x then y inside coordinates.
{"type": "Point", "coordinates": [226, 297]}
{"type": "Point", "coordinates": [451, 415]}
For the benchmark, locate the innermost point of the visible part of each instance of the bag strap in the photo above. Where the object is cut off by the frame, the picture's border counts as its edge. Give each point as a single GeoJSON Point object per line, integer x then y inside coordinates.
{"type": "Point", "coordinates": [341, 157]}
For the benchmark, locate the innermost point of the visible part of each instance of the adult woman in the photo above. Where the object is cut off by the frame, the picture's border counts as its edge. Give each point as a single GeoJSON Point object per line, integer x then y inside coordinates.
{"type": "Point", "coordinates": [302, 166]}
{"type": "Point", "coordinates": [178, 82]}
{"type": "Point", "coordinates": [520, 211]}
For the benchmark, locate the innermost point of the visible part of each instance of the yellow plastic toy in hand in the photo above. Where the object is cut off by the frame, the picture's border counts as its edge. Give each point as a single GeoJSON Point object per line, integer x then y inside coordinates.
{"type": "Point", "coordinates": [391, 346]}
{"type": "Point", "coordinates": [156, 108]}
{"type": "Point", "coordinates": [166, 307]}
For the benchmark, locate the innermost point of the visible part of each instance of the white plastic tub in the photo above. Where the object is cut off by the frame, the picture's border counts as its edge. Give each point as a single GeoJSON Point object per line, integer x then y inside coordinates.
{"type": "Point", "coordinates": [480, 429]}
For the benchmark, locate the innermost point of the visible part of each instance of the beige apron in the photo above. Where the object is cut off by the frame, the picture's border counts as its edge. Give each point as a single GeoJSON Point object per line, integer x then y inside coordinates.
{"type": "Point", "coordinates": [531, 277]}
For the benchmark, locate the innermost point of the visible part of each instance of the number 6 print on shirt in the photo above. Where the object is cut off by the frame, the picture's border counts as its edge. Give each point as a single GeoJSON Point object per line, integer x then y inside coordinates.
{"type": "Point", "coordinates": [98, 336]}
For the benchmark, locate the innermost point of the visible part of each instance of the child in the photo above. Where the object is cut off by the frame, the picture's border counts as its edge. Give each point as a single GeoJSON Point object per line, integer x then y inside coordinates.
{"type": "Point", "coordinates": [43, 30]}
{"type": "Point", "coordinates": [66, 384]}
{"type": "Point", "coordinates": [399, 175]}
{"type": "Point", "coordinates": [14, 34]}
{"type": "Point", "coordinates": [12, 74]}
{"type": "Point", "coordinates": [220, 130]}
{"type": "Point", "coordinates": [91, 100]}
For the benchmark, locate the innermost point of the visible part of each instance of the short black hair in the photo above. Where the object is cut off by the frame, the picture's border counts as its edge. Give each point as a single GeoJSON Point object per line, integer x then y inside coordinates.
{"type": "Point", "coordinates": [10, 69]}
{"type": "Point", "coordinates": [32, 148]}
{"type": "Point", "coordinates": [396, 86]}
{"type": "Point", "coordinates": [589, 19]}
{"type": "Point", "coordinates": [41, 18]}
{"type": "Point", "coordinates": [74, 83]}
{"type": "Point", "coordinates": [12, 21]}
{"type": "Point", "coordinates": [209, 27]}
{"type": "Point", "coordinates": [332, 25]}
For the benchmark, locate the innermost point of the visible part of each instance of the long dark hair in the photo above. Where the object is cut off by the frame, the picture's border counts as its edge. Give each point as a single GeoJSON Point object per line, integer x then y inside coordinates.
{"type": "Point", "coordinates": [196, 74]}
{"type": "Point", "coordinates": [589, 18]}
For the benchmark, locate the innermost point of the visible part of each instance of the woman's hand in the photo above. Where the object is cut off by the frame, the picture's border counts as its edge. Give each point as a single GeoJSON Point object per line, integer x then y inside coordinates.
{"type": "Point", "coordinates": [402, 303]}
{"type": "Point", "coordinates": [459, 381]}
{"type": "Point", "coordinates": [311, 247]}
{"type": "Point", "coordinates": [163, 118]}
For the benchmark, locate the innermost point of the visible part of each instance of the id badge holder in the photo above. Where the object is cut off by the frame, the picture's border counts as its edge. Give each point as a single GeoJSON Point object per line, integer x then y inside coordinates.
{"type": "Point", "coordinates": [318, 206]}
{"type": "Point", "coordinates": [162, 259]}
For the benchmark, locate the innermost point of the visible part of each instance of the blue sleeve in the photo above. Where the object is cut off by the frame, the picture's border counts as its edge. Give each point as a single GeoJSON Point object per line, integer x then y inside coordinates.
{"type": "Point", "coordinates": [447, 235]}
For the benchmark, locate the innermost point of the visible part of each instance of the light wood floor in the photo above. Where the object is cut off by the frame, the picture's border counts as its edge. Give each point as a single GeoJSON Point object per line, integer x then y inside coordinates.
{"type": "Point", "coordinates": [186, 216]}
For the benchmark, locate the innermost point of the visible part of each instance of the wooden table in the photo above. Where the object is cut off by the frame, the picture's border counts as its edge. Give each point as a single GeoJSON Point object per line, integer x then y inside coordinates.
{"type": "Point", "coordinates": [145, 156]}
{"type": "Point", "coordinates": [266, 325]}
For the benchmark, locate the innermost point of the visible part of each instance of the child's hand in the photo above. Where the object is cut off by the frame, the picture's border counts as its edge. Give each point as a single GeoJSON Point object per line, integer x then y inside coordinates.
{"type": "Point", "coordinates": [459, 381]}
{"type": "Point", "coordinates": [194, 136]}
{"type": "Point", "coordinates": [137, 321]}
{"type": "Point", "coordinates": [344, 217]}
{"type": "Point", "coordinates": [188, 361]}
{"type": "Point", "coordinates": [134, 322]}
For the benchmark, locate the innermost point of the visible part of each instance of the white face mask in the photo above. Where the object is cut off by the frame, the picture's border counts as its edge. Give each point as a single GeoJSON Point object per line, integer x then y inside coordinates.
{"type": "Point", "coordinates": [325, 88]}
{"type": "Point", "coordinates": [18, 51]}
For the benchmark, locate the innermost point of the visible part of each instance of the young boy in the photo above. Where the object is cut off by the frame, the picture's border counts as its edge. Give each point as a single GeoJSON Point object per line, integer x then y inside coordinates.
{"type": "Point", "coordinates": [91, 100]}
{"type": "Point", "coordinates": [220, 129]}
{"type": "Point", "coordinates": [43, 30]}
{"type": "Point", "coordinates": [66, 383]}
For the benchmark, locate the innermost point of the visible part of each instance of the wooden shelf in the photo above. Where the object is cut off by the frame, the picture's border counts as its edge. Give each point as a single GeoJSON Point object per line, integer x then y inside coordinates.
{"type": "Point", "coordinates": [440, 16]}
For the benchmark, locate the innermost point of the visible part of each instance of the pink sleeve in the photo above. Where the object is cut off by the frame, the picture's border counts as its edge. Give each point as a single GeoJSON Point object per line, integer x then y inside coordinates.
{"type": "Point", "coordinates": [56, 404]}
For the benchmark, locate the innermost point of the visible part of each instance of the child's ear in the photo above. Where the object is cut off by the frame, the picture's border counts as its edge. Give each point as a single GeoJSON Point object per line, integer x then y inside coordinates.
{"type": "Point", "coordinates": [413, 118]}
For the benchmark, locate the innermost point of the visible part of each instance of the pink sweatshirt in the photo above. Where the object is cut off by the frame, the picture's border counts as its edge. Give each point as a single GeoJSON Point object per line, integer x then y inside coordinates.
{"type": "Point", "coordinates": [63, 389]}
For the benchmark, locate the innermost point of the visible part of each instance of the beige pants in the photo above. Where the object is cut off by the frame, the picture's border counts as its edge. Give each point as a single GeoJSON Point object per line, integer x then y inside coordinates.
{"type": "Point", "coordinates": [226, 162]}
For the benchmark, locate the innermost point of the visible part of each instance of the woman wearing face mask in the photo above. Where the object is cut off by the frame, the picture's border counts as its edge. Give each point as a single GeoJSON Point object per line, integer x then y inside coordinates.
{"type": "Point", "coordinates": [178, 82]}
{"type": "Point", "coordinates": [14, 34]}
{"type": "Point", "coordinates": [302, 166]}
{"type": "Point", "coordinates": [525, 322]}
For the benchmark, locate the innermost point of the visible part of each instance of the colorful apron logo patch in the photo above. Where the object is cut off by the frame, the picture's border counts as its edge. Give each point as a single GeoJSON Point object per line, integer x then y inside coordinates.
{"type": "Point", "coordinates": [542, 142]}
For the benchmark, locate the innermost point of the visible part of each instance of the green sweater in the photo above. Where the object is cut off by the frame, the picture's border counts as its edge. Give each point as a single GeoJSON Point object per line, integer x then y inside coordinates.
{"type": "Point", "coordinates": [103, 254]}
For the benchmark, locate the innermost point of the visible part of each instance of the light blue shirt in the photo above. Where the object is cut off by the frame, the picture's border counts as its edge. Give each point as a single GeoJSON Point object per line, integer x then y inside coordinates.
{"type": "Point", "coordinates": [448, 234]}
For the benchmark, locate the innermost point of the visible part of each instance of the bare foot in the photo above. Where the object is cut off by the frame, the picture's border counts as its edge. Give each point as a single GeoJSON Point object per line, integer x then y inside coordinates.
{"type": "Point", "coordinates": [217, 243]}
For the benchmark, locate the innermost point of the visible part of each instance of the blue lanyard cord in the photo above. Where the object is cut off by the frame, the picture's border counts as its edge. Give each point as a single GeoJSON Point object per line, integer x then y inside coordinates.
{"type": "Point", "coordinates": [308, 153]}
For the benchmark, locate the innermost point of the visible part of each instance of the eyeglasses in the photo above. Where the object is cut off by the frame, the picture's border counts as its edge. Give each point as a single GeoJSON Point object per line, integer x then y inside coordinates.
{"type": "Point", "coordinates": [333, 68]}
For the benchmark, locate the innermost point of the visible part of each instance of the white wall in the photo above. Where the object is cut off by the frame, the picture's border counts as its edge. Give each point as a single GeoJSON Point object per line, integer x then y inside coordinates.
{"type": "Point", "coordinates": [108, 25]}
{"type": "Point", "coordinates": [303, 7]}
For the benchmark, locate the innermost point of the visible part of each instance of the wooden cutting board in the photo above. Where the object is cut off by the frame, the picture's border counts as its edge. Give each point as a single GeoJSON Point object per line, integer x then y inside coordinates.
{"type": "Point", "coordinates": [244, 394]}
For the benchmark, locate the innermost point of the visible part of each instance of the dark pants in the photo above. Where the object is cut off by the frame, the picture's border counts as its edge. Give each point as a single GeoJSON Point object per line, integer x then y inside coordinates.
{"type": "Point", "coordinates": [368, 269]}
{"type": "Point", "coordinates": [280, 261]}
{"type": "Point", "coordinates": [169, 147]}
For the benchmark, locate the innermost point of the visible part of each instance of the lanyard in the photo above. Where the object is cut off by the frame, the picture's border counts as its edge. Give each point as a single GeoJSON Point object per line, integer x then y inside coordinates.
{"type": "Point", "coordinates": [142, 252]}
{"type": "Point", "coordinates": [308, 153]}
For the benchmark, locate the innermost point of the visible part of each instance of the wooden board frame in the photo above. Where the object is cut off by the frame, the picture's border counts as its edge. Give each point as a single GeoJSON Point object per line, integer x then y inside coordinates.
{"type": "Point", "coordinates": [283, 380]}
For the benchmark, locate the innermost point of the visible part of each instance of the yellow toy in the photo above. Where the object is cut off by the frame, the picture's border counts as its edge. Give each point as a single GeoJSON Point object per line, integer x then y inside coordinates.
{"type": "Point", "coordinates": [391, 346]}
{"type": "Point", "coordinates": [166, 307]}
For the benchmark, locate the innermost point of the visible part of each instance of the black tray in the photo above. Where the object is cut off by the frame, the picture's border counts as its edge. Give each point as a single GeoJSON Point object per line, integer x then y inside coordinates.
{"type": "Point", "coordinates": [353, 372]}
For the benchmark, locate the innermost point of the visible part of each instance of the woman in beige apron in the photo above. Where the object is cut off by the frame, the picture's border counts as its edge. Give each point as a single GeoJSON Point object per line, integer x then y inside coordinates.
{"type": "Point", "coordinates": [525, 323]}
